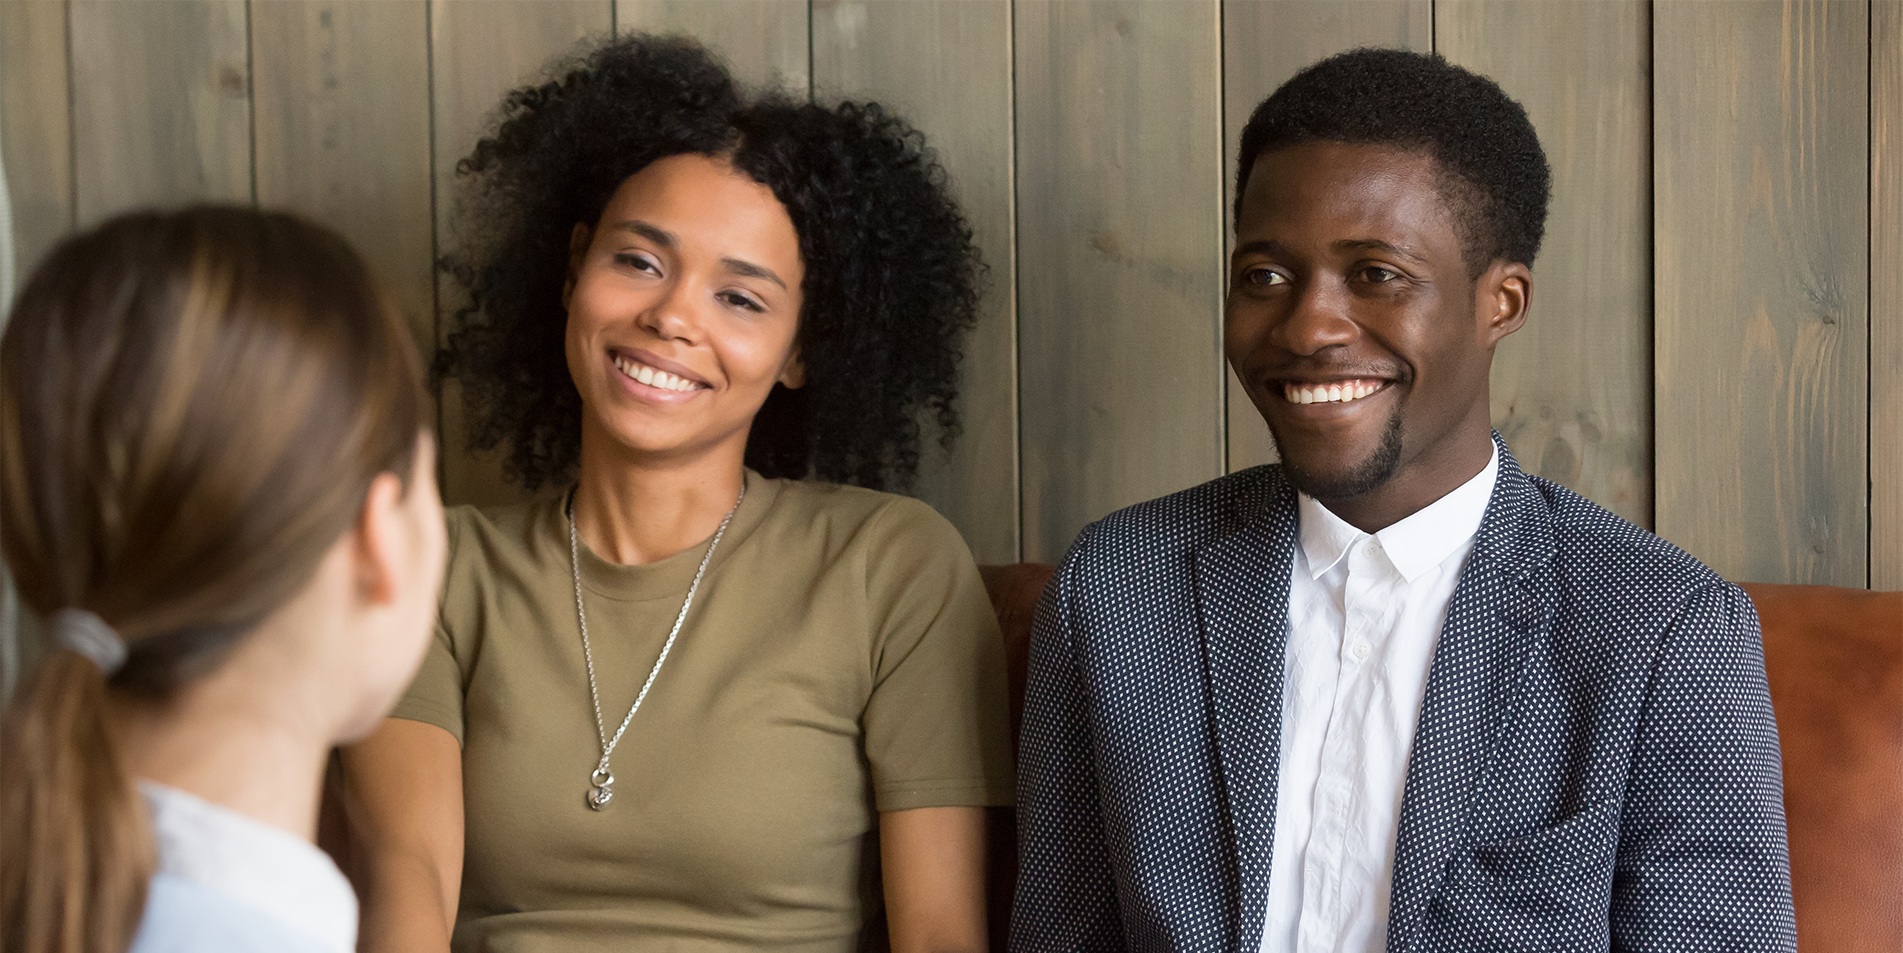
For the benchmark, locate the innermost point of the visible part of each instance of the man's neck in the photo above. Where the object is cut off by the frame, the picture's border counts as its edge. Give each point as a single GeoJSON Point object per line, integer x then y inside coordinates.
{"type": "Point", "coordinates": [1416, 485]}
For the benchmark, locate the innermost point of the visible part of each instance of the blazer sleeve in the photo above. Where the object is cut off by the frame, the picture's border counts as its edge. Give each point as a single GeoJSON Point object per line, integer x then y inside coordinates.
{"type": "Point", "coordinates": [1703, 864]}
{"type": "Point", "coordinates": [1066, 897]}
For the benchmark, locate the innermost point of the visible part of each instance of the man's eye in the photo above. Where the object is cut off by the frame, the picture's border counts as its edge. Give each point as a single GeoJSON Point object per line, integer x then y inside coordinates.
{"type": "Point", "coordinates": [1264, 277]}
{"type": "Point", "coordinates": [1378, 274]}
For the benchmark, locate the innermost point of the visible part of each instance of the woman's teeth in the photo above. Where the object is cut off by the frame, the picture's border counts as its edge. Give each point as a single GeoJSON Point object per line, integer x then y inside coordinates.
{"type": "Point", "coordinates": [1335, 392]}
{"type": "Point", "coordinates": [654, 378]}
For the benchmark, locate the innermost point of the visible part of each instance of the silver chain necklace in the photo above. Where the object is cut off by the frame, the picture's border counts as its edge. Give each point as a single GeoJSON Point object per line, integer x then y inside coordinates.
{"type": "Point", "coordinates": [601, 780]}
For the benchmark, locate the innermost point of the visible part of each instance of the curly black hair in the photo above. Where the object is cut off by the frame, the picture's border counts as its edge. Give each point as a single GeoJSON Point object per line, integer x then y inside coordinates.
{"type": "Point", "coordinates": [1494, 173]}
{"type": "Point", "coordinates": [891, 280]}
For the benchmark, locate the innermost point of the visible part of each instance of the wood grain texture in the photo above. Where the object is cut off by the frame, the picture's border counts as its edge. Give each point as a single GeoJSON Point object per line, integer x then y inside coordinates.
{"type": "Point", "coordinates": [1761, 205]}
{"type": "Point", "coordinates": [1886, 295]}
{"type": "Point", "coordinates": [1119, 257]}
{"type": "Point", "coordinates": [35, 129]}
{"type": "Point", "coordinates": [1264, 43]}
{"type": "Point", "coordinates": [945, 65]}
{"type": "Point", "coordinates": [764, 42]}
{"type": "Point", "coordinates": [479, 51]}
{"type": "Point", "coordinates": [36, 149]}
{"type": "Point", "coordinates": [341, 114]}
{"type": "Point", "coordinates": [1571, 391]}
{"type": "Point", "coordinates": [161, 104]}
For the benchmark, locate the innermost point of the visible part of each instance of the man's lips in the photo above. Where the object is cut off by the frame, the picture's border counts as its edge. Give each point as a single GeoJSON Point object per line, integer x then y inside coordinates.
{"type": "Point", "coordinates": [1339, 391]}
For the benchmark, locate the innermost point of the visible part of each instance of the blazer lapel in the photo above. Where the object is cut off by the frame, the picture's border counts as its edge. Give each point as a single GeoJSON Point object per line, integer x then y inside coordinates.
{"type": "Point", "coordinates": [1500, 609]}
{"type": "Point", "coordinates": [1242, 587]}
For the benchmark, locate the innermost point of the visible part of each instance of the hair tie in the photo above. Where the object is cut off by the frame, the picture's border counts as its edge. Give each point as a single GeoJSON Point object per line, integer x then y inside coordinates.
{"type": "Point", "coordinates": [89, 635]}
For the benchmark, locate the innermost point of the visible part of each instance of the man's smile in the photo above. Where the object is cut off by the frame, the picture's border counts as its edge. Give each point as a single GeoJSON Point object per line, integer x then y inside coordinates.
{"type": "Point", "coordinates": [1336, 391]}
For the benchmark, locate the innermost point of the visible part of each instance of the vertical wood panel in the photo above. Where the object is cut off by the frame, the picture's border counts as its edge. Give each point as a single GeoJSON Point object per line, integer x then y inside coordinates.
{"type": "Point", "coordinates": [1761, 210]}
{"type": "Point", "coordinates": [161, 104]}
{"type": "Point", "coordinates": [1264, 43]}
{"type": "Point", "coordinates": [478, 52]}
{"type": "Point", "coordinates": [763, 41]}
{"type": "Point", "coordinates": [35, 128]}
{"type": "Point", "coordinates": [1886, 295]}
{"type": "Point", "coordinates": [342, 132]}
{"type": "Point", "coordinates": [1119, 257]}
{"type": "Point", "coordinates": [1572, 389]}
{"type": "Point", "coordinates": [946, 66]}
{"type": "Point", "coordinates": [36, 137]}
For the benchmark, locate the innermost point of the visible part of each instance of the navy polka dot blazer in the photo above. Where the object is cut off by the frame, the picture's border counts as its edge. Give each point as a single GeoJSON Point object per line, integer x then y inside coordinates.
{"type": "Point", "coordinates": [1596, 766]}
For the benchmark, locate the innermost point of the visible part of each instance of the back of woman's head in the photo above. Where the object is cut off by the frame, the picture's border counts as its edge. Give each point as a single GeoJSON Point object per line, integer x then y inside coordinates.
{"type": "Point", "coordinates": [193, 405]}
{"type": "Point", "coordinates": [891, 272]}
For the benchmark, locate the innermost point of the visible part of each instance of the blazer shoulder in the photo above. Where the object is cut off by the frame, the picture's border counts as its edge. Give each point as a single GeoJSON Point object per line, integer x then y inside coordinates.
{"type": "Point", "coordinates": [1601, 549]}
{"type": "Point", "coordinates": [1189, 518]}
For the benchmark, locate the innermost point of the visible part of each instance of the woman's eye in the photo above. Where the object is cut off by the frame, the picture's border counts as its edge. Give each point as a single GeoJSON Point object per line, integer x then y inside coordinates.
{"type": "Point", "coordinates": [637, 262]}
{"type": "Point", "coordinates": [735, 299]}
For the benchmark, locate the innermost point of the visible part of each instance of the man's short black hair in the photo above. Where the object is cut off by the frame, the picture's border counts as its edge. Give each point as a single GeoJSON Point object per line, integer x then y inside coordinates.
{"type": "Point", "coordinates": [1494, 174]}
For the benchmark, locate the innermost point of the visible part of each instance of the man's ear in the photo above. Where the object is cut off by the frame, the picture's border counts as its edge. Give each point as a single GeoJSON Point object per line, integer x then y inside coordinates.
{"type": "Point", "coordinates": [578, 240]}
{"type": "Point", "coordinates": [793, 372]}
{"type": "Point", "coordinates": [380, 542]}
{"type": "Point", "coordinates": [1501, 301]}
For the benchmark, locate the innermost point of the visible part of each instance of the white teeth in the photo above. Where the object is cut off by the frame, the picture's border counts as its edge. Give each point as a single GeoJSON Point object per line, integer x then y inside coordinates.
{"type": "Point", "coordinates": [1340, 392]}
{"type": "Point", "coordinates": [653, 377]}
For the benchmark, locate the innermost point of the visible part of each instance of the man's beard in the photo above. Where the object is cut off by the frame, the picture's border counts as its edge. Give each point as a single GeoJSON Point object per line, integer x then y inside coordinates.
{"type": "Point", "coordinates": [1358, 479]}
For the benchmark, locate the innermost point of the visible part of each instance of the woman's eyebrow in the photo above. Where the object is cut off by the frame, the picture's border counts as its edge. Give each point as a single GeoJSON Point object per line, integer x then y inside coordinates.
{"type": "Point", "coordinates": [658, 236]}
{"type": "Point", "coordinates": [751, 270]}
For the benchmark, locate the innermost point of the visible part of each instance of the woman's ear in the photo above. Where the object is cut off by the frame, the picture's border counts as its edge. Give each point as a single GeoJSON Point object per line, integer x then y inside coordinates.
{"type": "Point", "coordinates": [578, 240]}
{"type": "Point", "coordinates": [380, 544]}
{"type": "Point", "coordinates": [793, 372]}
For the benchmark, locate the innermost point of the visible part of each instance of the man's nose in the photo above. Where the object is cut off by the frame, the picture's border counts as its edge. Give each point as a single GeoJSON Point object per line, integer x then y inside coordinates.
{"type": "Point", "coordinates": [1318, 319]}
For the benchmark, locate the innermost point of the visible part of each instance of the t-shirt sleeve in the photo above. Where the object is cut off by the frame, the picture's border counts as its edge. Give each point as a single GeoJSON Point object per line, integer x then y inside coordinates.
{"type": "Point", "coordinates": [435, 696]}
{"type": "Point", "coordinates": [937, 730]}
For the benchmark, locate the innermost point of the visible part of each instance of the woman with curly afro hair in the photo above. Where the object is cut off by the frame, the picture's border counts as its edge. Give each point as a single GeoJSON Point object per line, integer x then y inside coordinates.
{"type": "Point", "coordinates": [715, 690]}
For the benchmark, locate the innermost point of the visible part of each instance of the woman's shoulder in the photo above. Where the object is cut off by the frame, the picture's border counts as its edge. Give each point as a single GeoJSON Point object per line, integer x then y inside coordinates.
{"type": "Point", "coordinates": [866, 516]}
{"type": "Point", "coordinates": [183, 916]}
{"type": "Point", "coordinates": [479, 534]}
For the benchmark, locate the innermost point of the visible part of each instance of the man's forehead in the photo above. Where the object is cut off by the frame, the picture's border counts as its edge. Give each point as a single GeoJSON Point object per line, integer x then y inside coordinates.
{"type": "Point", "coordinates": [1359, 195]}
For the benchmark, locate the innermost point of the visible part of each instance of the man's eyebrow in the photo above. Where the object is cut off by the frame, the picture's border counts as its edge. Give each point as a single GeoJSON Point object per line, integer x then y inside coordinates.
{"type": "Point", "coordinates": [751, 270]}
{"type": "Point", "coordinates": [1263, 246]}
{"type": "Point", "coordinates": [658, 236]}
{"type": "Point", "coordinates": [1376, 244]}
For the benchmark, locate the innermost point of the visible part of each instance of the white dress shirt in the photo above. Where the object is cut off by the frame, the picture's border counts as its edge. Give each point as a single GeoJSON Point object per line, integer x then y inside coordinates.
{"type": "Point", "coordinates": [227, 883]}
{"type": "Point", "coordinates": [1365, 613]}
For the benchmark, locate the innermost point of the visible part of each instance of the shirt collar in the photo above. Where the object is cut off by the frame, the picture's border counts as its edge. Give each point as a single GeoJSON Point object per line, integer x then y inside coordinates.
{"type": "Point", "coordinates": [1415, 544]}
{"type": "Point", "coordinates": [270, 870]}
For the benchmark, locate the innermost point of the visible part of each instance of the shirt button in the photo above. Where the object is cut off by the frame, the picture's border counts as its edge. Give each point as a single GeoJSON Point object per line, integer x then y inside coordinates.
{"type": "Point", "coordinates": [1360, 651]}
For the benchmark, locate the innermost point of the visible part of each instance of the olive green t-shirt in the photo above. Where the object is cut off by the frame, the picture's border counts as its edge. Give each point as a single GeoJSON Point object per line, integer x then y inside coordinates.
{"type": "Point", "coordinates": [840, 659]}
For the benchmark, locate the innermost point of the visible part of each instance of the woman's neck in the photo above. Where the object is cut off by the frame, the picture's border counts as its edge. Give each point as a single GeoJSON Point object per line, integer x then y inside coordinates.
{"type": "Point", "coordinates": [230, 745]}
{"type": "Point", "coordinates": [634, 512]}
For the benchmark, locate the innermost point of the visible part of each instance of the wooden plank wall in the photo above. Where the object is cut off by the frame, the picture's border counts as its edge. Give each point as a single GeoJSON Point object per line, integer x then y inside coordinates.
{"type": "Point", "coordinates": [1762, 252]}
{"type": "Point", "coordinates": [1715, 349]}
{"type": "Point", "coordinates": [1886, 294]}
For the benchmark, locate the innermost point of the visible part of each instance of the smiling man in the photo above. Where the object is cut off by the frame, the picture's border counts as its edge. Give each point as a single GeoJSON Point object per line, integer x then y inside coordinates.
{"type": "Point", "coordinates": [1394, 693]}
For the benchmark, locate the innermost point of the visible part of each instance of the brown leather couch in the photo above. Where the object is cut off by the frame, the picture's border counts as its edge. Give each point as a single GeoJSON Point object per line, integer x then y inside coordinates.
{"type": "Point", "coordinates": [1835, 660]}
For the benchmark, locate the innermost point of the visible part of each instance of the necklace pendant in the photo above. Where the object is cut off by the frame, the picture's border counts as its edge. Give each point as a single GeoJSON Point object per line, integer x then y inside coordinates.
{"type": "Point", "coordinates": [598, 797]}
{"type": "Point", "coordinates": [600, 788]}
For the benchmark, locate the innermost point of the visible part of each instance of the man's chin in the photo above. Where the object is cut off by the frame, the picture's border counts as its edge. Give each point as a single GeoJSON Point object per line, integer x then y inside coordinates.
{"type": "Point", "coordinates": [1326, 478]}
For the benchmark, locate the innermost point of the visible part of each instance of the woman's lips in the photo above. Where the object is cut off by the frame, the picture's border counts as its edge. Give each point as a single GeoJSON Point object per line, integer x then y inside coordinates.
{"type": "Point", "coordinates": [672, 386]}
